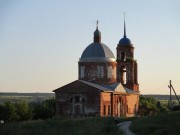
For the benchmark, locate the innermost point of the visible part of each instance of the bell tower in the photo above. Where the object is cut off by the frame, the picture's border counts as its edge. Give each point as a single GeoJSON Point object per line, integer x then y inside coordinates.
{"type": "Point", "coordinates": [127, 73]}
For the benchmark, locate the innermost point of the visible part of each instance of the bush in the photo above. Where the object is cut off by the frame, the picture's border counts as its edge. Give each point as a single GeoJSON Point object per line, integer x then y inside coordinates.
{"type": "Point", "coordinates": [23, 111]}
{"type": "Point", "coordinates": [44, 110]}
{"type": "Point", "coordinates": [176, 108]}
{"type": "Point", "coordinates": [150, 106]}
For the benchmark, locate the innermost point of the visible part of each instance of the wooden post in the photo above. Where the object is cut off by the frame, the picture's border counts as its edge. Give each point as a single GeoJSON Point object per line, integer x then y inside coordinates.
{"type": "Point", "coordinates": [175, 93]}
{"type": "Point", "coordinates": [170, 100]}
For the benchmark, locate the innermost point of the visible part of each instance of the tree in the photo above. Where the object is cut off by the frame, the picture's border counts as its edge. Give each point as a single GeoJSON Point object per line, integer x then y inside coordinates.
{"type": "Point", "coordinates": [162, 108]}
{"type": "Point", "coordinates": [3, 112]}
{"type": "Point", "coordinates": [147, 106]}
{"type": "Point", "coordinates": [45, 110]}
{"type": "Point", "coordinates": [10, 111]}
{"type": "Point", "coordinates": [50, 105]}
{"type": "Point", "coordinates": [150, 106]}
{"type": "Point", "coordinates": [15, 111]}
{"type": "Point", "coordinates": [23, 111]}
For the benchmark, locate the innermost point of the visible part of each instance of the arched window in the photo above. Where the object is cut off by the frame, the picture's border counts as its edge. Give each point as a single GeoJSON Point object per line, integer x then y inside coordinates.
{"type": "Point", "coordinates": [77, 99]}
{"type": "Point", "coordinates": [123, 56]}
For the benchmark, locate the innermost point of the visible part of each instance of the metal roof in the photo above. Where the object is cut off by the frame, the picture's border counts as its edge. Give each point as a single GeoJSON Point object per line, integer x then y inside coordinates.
{"type": "Point", "coordinates": [115, 87]}
{"type": "Point", "coordinates": [97, 51]}
{"type": "Point", "coordinates": [125, 41]}
{"type": "Point", "coordinates": [100, 87]}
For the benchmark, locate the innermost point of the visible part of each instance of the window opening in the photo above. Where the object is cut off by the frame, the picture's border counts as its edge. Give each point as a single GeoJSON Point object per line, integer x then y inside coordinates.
{"type": "Point", "coordinates": [104, 110]}
{"type": "Point", "coordinates": [123, 75]}
{"type": "Point", "coordinates": [100, 72]}
{"type": "Point", "coordinates": [109, 71]}
{"type": "Point", "coordinates": [123, 56]}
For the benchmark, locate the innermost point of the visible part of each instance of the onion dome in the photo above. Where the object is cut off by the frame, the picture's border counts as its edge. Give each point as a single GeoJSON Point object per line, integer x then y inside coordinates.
{"type": "Point", "coordinates": [97, 51]}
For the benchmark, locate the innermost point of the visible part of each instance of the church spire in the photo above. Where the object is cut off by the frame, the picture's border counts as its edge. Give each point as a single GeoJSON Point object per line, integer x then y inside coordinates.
{"type": "Point", "coordinates": [124, 26]}
{"type": "Point", "coordinates": [124, 41]}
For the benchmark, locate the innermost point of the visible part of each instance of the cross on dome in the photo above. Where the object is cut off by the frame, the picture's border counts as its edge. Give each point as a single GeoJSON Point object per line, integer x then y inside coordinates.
{"type": "Point", "coordinates": [97, 22]}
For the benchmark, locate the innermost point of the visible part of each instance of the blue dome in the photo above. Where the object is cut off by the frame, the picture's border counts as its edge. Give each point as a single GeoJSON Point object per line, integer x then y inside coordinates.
{"type": "Point", "coordinates": [97, 52]}
{"type": "Point", "coordinates": [125, 41]}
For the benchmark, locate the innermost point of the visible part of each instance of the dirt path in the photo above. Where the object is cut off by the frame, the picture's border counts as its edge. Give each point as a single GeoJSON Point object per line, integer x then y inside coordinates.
{"type": "Point", "coordinates": [125, 127]}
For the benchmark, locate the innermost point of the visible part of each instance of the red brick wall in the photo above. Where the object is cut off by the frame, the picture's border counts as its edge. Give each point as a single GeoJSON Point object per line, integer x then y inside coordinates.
{"type": "Point", "coordinates": [90, 67]}
{"type": "Point", "coordinates": [77, 88]}
{"type": "Point", "coordinates": [120, 104]}
{"type": "Point", "coordinates": [133, 104]}
{"type": "Point", "coordinates": [96, 103]}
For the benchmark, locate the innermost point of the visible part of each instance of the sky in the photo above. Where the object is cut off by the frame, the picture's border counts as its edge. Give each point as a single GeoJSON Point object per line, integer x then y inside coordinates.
{"type": "Point", "coordinates": [41, 41]}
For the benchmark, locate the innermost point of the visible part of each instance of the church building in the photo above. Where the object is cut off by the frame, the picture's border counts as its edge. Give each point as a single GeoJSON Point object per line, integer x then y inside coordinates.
{"type": "Point", "coordinates": [106, 86]}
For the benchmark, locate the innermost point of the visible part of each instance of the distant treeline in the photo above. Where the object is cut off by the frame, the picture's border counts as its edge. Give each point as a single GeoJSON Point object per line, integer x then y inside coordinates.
{"type": "Point", "coordinates": [161, 97]}
{"type": "Point", "coordinates": [28, 97]}
{"type": "Point", "coordinates": [26, 94]}
{"type": "Point", "coordinates": [157, 97]}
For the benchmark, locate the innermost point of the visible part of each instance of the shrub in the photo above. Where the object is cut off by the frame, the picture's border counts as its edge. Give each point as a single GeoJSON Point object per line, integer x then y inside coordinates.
{"type": "Point", "coordinates": [176, 108]}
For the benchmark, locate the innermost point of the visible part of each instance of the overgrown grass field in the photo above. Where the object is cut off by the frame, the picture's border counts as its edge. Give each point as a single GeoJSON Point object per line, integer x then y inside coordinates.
{"type": "Point", "coordinates": [83, 126]}
{"type": "Point", "coordinates": [164, 124]}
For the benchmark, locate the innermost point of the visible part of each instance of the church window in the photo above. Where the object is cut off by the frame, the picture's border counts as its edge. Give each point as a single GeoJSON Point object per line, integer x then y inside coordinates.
{"type": "Point", "coordinates": [123, 56]}
{"type": "Point", "coordinates": [109, 72]}
{"type": "Point", "coordinates": [127, 109]}
{"type": "Point", "coordinates": [71, 100]}
{"type": "Point", "coordinates": [100, 72]}
{"type": "Point", "coordinates": [104, 110]}
{"type": "Point", "coordinates": [135, 108]}
{"type": "Point", "coordinates": [82, 71]}
{"type": "Point", "coordinates": [109, 110]}
{"type": "Point", "coordinates": [77, 99]}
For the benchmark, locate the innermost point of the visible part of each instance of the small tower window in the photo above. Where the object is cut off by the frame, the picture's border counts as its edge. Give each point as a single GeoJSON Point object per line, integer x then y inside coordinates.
{"type": "Point", "coordinates": [123, 56]}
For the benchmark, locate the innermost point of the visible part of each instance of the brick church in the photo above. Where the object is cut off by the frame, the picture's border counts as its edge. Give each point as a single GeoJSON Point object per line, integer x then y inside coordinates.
{"type": "Point", "coordinates": [106, 86]}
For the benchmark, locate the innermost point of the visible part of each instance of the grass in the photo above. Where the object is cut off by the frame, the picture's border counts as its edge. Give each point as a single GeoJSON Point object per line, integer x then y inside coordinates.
{"type": "Point", "coordinates": [85, 126]}
{"type": "Point", "coordinates": [164, 124]}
